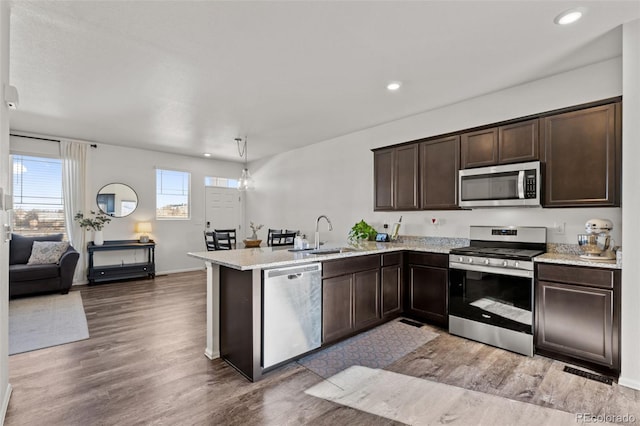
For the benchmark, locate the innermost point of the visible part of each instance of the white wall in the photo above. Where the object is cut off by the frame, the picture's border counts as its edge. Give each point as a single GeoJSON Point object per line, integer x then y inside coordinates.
{"type": "Point", "coordinates": [137, 168]}
{"type": "Point", "coordinates": [335, 177]}
{"type": "Point", "coordinates": [630, 375]}
{"type": "Point", "coordinates": [5, 178]}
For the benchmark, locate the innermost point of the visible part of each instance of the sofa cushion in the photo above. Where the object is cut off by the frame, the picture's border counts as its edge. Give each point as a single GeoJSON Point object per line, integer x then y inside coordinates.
{"type": "Point", "coordinates": [44, 252]}
{"type": "Point", "coordinates": [32, 272]}
{"type": "Point", "coordinates": [20, 246]}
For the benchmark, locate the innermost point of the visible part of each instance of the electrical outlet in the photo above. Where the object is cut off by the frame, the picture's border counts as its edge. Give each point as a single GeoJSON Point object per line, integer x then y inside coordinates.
{"type": "Point", "coordinates": [558, 228]}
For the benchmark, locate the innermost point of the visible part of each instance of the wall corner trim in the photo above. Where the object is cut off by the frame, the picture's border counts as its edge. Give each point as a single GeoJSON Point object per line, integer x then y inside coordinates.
{"type": "Point", "coordinates": [5, 403]}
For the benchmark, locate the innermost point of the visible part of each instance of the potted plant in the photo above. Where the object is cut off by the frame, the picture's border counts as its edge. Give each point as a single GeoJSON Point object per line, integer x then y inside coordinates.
{"type": "Point", "coordinates": [362, 231]}
{"type": "Point", "coordinates": [96, 224]}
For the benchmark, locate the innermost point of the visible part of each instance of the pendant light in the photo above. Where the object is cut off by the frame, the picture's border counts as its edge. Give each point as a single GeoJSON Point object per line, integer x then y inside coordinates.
{"type": "Point", "coordinates": [245, 183]}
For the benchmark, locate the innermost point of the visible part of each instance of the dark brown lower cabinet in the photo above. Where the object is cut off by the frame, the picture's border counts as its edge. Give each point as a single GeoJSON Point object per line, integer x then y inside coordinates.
{"type": "Point", "coordinates": [351, 299]}
{"type": "Point", "coordinates": [337, 315]}
{"type": "Point", "coordinates": [391, 290]}
{"type": "Point", "coordinates": [236, 321]}
{"type": "Point", "coordinates": [391, 284]}
{"type": "Point", "coordinates": [427, 279]}
{"type": "Point", "coordinates": [577, 315]}
{"type": "Point", "coordinates": [366, 298]}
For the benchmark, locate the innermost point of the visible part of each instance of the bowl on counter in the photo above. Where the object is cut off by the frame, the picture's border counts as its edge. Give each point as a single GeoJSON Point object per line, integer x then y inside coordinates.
{"type": "Point", "coordinates": [593, 244]}
{"type": "Point", "coordinates": [251, 243]}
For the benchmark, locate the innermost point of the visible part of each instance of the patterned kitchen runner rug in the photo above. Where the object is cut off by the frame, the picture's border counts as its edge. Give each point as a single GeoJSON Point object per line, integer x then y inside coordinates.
{"type": "Point", "coordinates": [375, 348]}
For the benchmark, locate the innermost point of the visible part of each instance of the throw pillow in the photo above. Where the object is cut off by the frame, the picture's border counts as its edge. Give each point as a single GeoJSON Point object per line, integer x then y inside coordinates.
{"type": "Point", "coordinates": [44, 252]}
{"type": "Point", "coordinates": [20, 246]}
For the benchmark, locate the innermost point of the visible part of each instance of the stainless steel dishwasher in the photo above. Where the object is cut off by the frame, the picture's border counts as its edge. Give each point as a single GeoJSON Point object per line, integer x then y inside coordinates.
{"type": "Point", "coordinates": [292, 312]}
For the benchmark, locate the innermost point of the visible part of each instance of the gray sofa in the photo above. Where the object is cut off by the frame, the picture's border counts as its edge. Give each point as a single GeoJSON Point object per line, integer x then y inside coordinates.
{"type": "Point", "coordinates": [27, 279]}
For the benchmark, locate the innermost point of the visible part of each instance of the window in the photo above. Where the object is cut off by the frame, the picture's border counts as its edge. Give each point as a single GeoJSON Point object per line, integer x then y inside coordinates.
{"type": "Point", "coordinates": [172, 194]}
{"type": "Point", "coordinates": [220, 182]}
{"type": "Point", "coordinates": [37, 195]}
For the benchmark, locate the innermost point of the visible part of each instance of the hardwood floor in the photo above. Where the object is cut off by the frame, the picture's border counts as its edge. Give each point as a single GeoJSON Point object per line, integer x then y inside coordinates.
{"type": "Point", "coordinates": [144, 364]}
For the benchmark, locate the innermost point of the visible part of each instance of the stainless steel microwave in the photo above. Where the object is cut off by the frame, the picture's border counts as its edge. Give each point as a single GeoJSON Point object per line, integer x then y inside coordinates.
{"type": "Point", "coordinates": [510, 185]}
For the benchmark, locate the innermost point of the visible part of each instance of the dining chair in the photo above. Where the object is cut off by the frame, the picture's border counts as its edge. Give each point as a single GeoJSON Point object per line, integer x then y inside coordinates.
{"type": "Point", "coordinates": [282, 239]}
{"type": "Point", "coordinates": [294, 232]}
{"type": "Point", "coordinates": [222, 240]}
{"type": "Point", "coordinates": [232, 235]}
{"type": "Point", "coordinates": [270, 232]}
{"type": "Point", "coordinates": [217, 240]}
{"type": "Point", "coordinates": [209, 240]}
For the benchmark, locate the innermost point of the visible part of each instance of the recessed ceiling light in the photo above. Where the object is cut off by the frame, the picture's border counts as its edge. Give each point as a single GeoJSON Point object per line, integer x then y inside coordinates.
{"type": "Point", "coordinates": [207, 154]}
{"type": "Point", "coordinates": [569, 16]}
{"type": "Point", "coordinates": [393, 86]}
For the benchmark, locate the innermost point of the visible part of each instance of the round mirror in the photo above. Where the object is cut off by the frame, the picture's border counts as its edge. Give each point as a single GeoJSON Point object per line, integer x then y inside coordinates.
{"type": "Point", "coordinates": [117, 200]}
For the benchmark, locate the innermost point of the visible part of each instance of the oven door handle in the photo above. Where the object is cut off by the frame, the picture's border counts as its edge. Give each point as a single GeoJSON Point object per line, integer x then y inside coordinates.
{"type": "Point", "coordinates": [500, 271]}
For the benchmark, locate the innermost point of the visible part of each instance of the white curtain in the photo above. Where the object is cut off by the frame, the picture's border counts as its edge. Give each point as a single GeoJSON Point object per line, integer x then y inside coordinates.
{"type": "Point", "coordinates": [74, 173]}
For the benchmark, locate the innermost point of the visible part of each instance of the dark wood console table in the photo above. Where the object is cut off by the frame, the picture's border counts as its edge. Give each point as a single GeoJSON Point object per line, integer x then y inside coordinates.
{"type": "Point", "coordinates": [123, 271]}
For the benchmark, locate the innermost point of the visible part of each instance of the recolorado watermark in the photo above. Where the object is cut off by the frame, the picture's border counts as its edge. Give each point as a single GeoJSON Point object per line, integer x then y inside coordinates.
{"type": "Point", "coordinates": [605, 418]}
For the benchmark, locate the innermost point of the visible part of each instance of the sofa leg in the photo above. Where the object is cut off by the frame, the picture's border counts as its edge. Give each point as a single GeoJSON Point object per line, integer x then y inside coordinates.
{"type": "Point", "coordinates": [64, 291]}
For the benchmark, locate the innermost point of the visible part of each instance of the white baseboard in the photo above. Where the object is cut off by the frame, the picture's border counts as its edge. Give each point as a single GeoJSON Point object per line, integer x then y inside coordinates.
{"type": "Point", "coordinates": [211, 355]}
{"type": "Point", "coordinates": [174, 271]}
{"type": "Point", "coordinates": [629, 383]}
{"type": "Point", "coordinates": [5, 403]}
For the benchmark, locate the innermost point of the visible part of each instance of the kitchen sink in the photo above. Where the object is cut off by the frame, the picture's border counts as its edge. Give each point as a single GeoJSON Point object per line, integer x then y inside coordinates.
{"type": "Point", "coordinates": [332, 250]}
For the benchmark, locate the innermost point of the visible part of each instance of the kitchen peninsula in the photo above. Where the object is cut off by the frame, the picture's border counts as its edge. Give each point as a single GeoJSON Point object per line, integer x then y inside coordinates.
{"type": "Point", "coordinates": [235, 277]}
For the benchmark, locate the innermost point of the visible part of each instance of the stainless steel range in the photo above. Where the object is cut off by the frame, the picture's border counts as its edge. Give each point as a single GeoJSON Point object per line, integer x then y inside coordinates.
{"type": "Point", "coordinates": [491, 286]}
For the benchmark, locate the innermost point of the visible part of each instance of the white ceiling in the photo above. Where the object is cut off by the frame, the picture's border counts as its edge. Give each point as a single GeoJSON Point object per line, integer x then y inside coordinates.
{"type": "Point", "coordinates": [190, 76]}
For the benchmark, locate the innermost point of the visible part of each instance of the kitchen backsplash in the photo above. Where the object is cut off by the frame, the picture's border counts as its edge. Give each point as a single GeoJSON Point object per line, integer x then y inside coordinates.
{"type": "Point", "coordinates": [563, 248]}
{"type": "Point", "coordinates": [444, 241]}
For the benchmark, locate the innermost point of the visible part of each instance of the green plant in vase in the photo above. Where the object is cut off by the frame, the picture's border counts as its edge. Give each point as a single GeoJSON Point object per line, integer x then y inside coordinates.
{"type": "Point", "coordinates": [362, 231]}
{"type": "Point", "coordinates": [254, 229]}
{"type": "Point", "coordinates": [94, 224]}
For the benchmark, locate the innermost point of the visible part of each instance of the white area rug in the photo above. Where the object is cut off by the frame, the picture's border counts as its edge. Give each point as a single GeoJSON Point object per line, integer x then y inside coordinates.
{"type": "Point", "coordinates": [415, 401]}
{"type": "Point", "coordinates": [44, 321]}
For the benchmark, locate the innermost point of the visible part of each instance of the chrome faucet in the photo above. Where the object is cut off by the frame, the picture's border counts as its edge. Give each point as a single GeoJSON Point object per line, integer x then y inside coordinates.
{"type": "Point", "coordinates": [317, 239]}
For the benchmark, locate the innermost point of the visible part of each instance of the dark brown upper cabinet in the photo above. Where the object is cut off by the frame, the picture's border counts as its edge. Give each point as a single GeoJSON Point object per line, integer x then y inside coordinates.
{"type": "Point", "coordinates": [512, 143]}
{"type": "Point", "coordinates": [383, 169]}
{"type": "Point", "coordinates": [396, 178]}
{"type": "Point", "coordinates": [582, 155]}
{"type": "Point", "coordinates": [518, 142]}
{"type": "Point", "coordinates": [406, 178]}
{"type": "Point", "coordinates": [479, 148]}
{"type": "Point", "coordinates": [439, 165]}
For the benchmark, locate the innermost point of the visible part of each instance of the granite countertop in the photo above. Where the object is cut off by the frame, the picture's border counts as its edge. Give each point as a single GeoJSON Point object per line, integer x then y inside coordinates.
{"type": "Point", "coordinates": [271, 257]}
{"type": "Point", "coordinates": [574, 259]}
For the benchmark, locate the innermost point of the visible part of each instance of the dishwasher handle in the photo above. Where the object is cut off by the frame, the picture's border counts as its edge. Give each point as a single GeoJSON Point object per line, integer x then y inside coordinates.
{"type": "Point", "coordinates": [293, 272]}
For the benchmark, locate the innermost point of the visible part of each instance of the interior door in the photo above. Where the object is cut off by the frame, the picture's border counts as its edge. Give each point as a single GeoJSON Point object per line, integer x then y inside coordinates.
{"type": "Point", "coordinates": [224, 209]}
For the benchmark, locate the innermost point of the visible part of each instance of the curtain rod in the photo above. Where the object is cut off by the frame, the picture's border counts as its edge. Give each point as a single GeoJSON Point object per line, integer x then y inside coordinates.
{"type": "Point", "coordinates": [93, 145]}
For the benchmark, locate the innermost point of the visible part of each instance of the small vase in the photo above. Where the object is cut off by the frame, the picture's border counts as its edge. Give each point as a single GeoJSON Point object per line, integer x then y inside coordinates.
{"type": "Point", "coordinates": [253, 236]}
{"type": "Point", "coordinates": [98, 238]}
